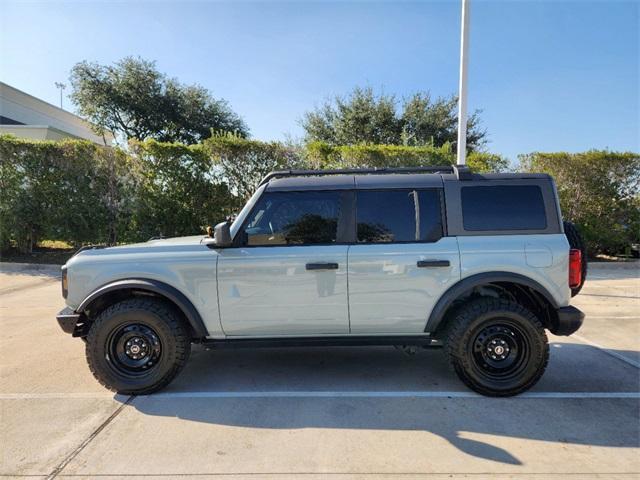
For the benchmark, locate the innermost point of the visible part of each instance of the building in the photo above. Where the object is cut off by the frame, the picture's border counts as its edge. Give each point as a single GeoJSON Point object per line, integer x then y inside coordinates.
{"type": "Point", "coordinates": [26, 116]}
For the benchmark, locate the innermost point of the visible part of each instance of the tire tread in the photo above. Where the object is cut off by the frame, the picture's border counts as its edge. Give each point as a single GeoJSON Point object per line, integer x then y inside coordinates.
{"type": "Point", "coordinates": [171, 320]}
{"type": "Point", "coordinates": [459, 324]}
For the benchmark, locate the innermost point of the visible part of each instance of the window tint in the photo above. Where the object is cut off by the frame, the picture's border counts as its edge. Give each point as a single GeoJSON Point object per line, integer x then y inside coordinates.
{"type": "Point", "coordinates": [398, 216]}
{"type": "Point", "coordinates": [511, 207]}
{"type": "Point", "coordinates": [294, 218]}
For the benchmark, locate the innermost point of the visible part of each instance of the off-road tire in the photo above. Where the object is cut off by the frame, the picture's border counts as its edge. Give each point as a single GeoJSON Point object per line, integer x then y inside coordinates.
{"type": "Point", "coordinates": [464, 331]}
{"type": "Point", "coordinates": [576, 241]}
{"type": "Point", "coordinates": [152, 315]}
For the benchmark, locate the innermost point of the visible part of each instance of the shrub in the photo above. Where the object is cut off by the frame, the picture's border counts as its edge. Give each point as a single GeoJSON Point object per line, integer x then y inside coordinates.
{"type": "Point", "coordinates": [599, 191]}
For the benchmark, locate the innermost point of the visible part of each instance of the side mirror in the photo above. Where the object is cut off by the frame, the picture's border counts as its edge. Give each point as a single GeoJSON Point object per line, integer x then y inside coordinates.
{"type": "Point", "coordinates": [222, 235]}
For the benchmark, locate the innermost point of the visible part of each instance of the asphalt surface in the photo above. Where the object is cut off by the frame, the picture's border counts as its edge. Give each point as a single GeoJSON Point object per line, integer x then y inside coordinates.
{"type": "Point", "coordinates": [319, 412]}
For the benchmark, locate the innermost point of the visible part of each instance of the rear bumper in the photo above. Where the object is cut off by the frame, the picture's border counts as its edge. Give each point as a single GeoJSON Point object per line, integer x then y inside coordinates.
{"type": "Point", "coordinates": [68, 319]}
{"type": "Point", "coordinates": [569, 320]}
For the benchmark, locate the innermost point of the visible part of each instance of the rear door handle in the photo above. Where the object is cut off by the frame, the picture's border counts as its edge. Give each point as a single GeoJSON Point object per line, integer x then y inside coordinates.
{"type": "Point", "coordinates": [433, 263]}
{"type": "Point", "coordinates": [321, 266]}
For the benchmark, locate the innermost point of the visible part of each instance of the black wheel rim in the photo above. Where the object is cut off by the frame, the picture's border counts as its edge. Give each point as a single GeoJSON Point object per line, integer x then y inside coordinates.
{"type": "Point", "coordinates": [500, 350]}
{"type": "Point", "coordinates": [133, 350]}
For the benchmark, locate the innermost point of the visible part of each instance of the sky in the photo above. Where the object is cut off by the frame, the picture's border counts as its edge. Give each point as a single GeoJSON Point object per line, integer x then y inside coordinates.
{"type": "Point", "coordinates": [547, 75]}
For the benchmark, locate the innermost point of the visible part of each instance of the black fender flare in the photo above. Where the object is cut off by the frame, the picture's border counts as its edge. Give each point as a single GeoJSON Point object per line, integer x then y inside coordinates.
{"type": "Point", "coordinates": [466, 284]}
{"type": "Point", "coordinates": [154, 286]}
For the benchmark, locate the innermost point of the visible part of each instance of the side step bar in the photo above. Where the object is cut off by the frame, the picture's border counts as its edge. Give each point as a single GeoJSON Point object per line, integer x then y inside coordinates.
{"type": "Point", "coordinates": [337, 341]}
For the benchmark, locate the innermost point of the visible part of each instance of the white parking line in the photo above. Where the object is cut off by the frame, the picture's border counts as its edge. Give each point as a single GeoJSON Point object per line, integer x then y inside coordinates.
{"type": "Point", "coordinates": [321, 394]}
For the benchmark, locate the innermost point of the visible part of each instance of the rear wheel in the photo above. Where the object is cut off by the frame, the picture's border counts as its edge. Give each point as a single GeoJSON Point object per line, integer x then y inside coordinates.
{"type": "Point", "coordinates": [496, 347]}
{"type": "Point", "coordinates": [137, 346]}
{"type": "Point", "coordinates": [576, 241]}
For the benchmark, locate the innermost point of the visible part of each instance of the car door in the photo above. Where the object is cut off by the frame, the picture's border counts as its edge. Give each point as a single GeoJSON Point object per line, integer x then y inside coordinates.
{"type": "Point", "coordinates": [288, 274]}
{"type": "Point", "coordinates": [401, 263]}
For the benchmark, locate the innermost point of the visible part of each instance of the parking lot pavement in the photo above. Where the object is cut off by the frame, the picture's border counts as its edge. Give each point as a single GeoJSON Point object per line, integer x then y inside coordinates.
{"type": "Point", "coordinates": [314, 413]}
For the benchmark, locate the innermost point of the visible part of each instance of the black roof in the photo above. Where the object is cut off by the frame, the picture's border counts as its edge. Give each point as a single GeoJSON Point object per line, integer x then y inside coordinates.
{"type": "Point", "coordinates": [428, 177]}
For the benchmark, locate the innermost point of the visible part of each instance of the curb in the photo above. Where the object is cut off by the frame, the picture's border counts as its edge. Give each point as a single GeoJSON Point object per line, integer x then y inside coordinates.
{"type": "Point", "coordinates": [21, 267]}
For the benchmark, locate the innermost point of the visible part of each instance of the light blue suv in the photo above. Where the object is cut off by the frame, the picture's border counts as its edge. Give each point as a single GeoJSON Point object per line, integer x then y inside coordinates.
{"type": "Point", "coordinates": [434, 257]}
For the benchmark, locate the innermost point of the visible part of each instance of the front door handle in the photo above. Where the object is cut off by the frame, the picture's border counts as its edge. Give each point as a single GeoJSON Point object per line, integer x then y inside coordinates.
{"type": "Point", "coordinates": [433, 263]}
{"type": "Point", "coordinates": [321, 266]}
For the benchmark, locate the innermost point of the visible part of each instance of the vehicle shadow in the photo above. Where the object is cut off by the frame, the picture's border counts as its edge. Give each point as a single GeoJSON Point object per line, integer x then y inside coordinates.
{"type": "Point", "coordinates": [474, 425]}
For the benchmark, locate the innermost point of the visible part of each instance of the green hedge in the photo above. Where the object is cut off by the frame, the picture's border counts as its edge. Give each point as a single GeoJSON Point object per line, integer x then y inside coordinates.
{"type": "Point", "coordinates": [179, 191]}
{"type": "Point", "coordinates": [68, 190]}
{"type": "Point", "coordinates": [322, 155]}
{"type": "Point", "coordinates": [243, 163]}
{"type": "Point", "coordinates": [599, 191]}
{"type": "Point", "coordinates": [79, 192]}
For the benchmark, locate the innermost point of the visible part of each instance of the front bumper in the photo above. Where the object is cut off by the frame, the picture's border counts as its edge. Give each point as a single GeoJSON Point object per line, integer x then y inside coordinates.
{"type": "Point", "coordinates": [68, 319]}
{"type": "Point", "coordinates": [569, 320]}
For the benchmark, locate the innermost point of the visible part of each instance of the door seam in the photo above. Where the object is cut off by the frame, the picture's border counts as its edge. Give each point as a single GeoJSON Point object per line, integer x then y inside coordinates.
{"type": "Point", "coordinates": [348, 296]}
{"type": "Point", "coordinates": [218, 295]}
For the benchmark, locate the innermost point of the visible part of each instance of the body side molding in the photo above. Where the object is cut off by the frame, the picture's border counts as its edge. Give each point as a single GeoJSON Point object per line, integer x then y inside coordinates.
{"type": "Point", "coordinates": [154, 286]}
{"type": "Point", "coordinates": [466, 284]}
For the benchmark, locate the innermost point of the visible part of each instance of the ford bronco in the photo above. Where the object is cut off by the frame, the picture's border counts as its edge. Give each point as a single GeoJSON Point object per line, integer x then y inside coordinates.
{"type": "Point", "coordinates": [478, 265]}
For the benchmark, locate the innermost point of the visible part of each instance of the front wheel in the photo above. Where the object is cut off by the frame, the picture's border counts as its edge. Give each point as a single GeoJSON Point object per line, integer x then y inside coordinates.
{"type": "Point", "coordinates": [137, 346]}
{"type": "Point", "coordinates": [497, 348]}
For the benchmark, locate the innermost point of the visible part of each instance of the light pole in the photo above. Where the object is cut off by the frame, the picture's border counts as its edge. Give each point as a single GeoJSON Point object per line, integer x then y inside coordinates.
{"type": "Point", "coordinates": [61, 86]}
{"type": "Point", "coordinates": [462, 93]}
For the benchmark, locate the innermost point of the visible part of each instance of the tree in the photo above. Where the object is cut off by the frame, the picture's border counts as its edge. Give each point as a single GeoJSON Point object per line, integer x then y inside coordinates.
{"type": "Point", "coordinates": [362, 117]}
{"type": "Point", "coordinates": [366, 118]}
{"type": "Point", "coordinates": [426, 121]}
{"type": "Point", "coordinates": [133, 100]}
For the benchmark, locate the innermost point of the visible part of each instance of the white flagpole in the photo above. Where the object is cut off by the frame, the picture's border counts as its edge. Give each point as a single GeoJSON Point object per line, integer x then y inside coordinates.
{"type": "Point", "coordinates": [462, 93]}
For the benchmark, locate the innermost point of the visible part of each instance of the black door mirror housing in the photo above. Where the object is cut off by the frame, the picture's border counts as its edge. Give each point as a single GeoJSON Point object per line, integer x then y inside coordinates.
{"type": "Point", "coordinates": [222, 235]}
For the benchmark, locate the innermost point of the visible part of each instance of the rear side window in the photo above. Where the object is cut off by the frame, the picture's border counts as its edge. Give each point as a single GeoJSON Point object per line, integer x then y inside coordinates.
{"type": "Point", "coordinates": [294, 218]}
{"type": "Point", "coordinates": [385, 216]}
{"type": "Point", "coordinates": [513, 207]}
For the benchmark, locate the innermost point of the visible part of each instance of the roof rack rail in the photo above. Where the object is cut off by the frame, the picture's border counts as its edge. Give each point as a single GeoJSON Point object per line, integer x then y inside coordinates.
{"type": "Point", "coordinates": [462, 172]}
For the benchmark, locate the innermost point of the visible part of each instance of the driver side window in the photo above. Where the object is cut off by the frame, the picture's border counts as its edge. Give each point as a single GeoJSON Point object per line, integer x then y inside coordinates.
{"type": "Point", "coordinates": [294, 218]}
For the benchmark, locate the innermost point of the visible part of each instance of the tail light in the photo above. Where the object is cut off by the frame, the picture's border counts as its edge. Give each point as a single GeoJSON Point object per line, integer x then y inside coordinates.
{"type": "Point", "coordinates": [575, 267]}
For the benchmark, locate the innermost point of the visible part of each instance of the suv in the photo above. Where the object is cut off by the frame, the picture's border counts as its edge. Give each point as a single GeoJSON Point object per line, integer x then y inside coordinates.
{"type": "Point", "coordinates": [478, 265]}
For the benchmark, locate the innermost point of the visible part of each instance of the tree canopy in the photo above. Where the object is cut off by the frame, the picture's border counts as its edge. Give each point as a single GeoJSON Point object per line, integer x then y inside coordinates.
{"type": "Point", "coordinates": [133, 100]}
{"type": "Point", "coordinates": [364, 117]}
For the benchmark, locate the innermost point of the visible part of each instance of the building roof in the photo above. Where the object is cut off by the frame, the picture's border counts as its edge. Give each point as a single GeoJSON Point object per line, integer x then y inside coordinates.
{"type": "Point", "coordinates": [28, 116]}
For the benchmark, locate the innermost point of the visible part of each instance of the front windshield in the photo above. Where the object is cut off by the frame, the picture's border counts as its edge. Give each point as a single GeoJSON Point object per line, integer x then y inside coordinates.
{"type": "Point", "coordinates": [245, 211]}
